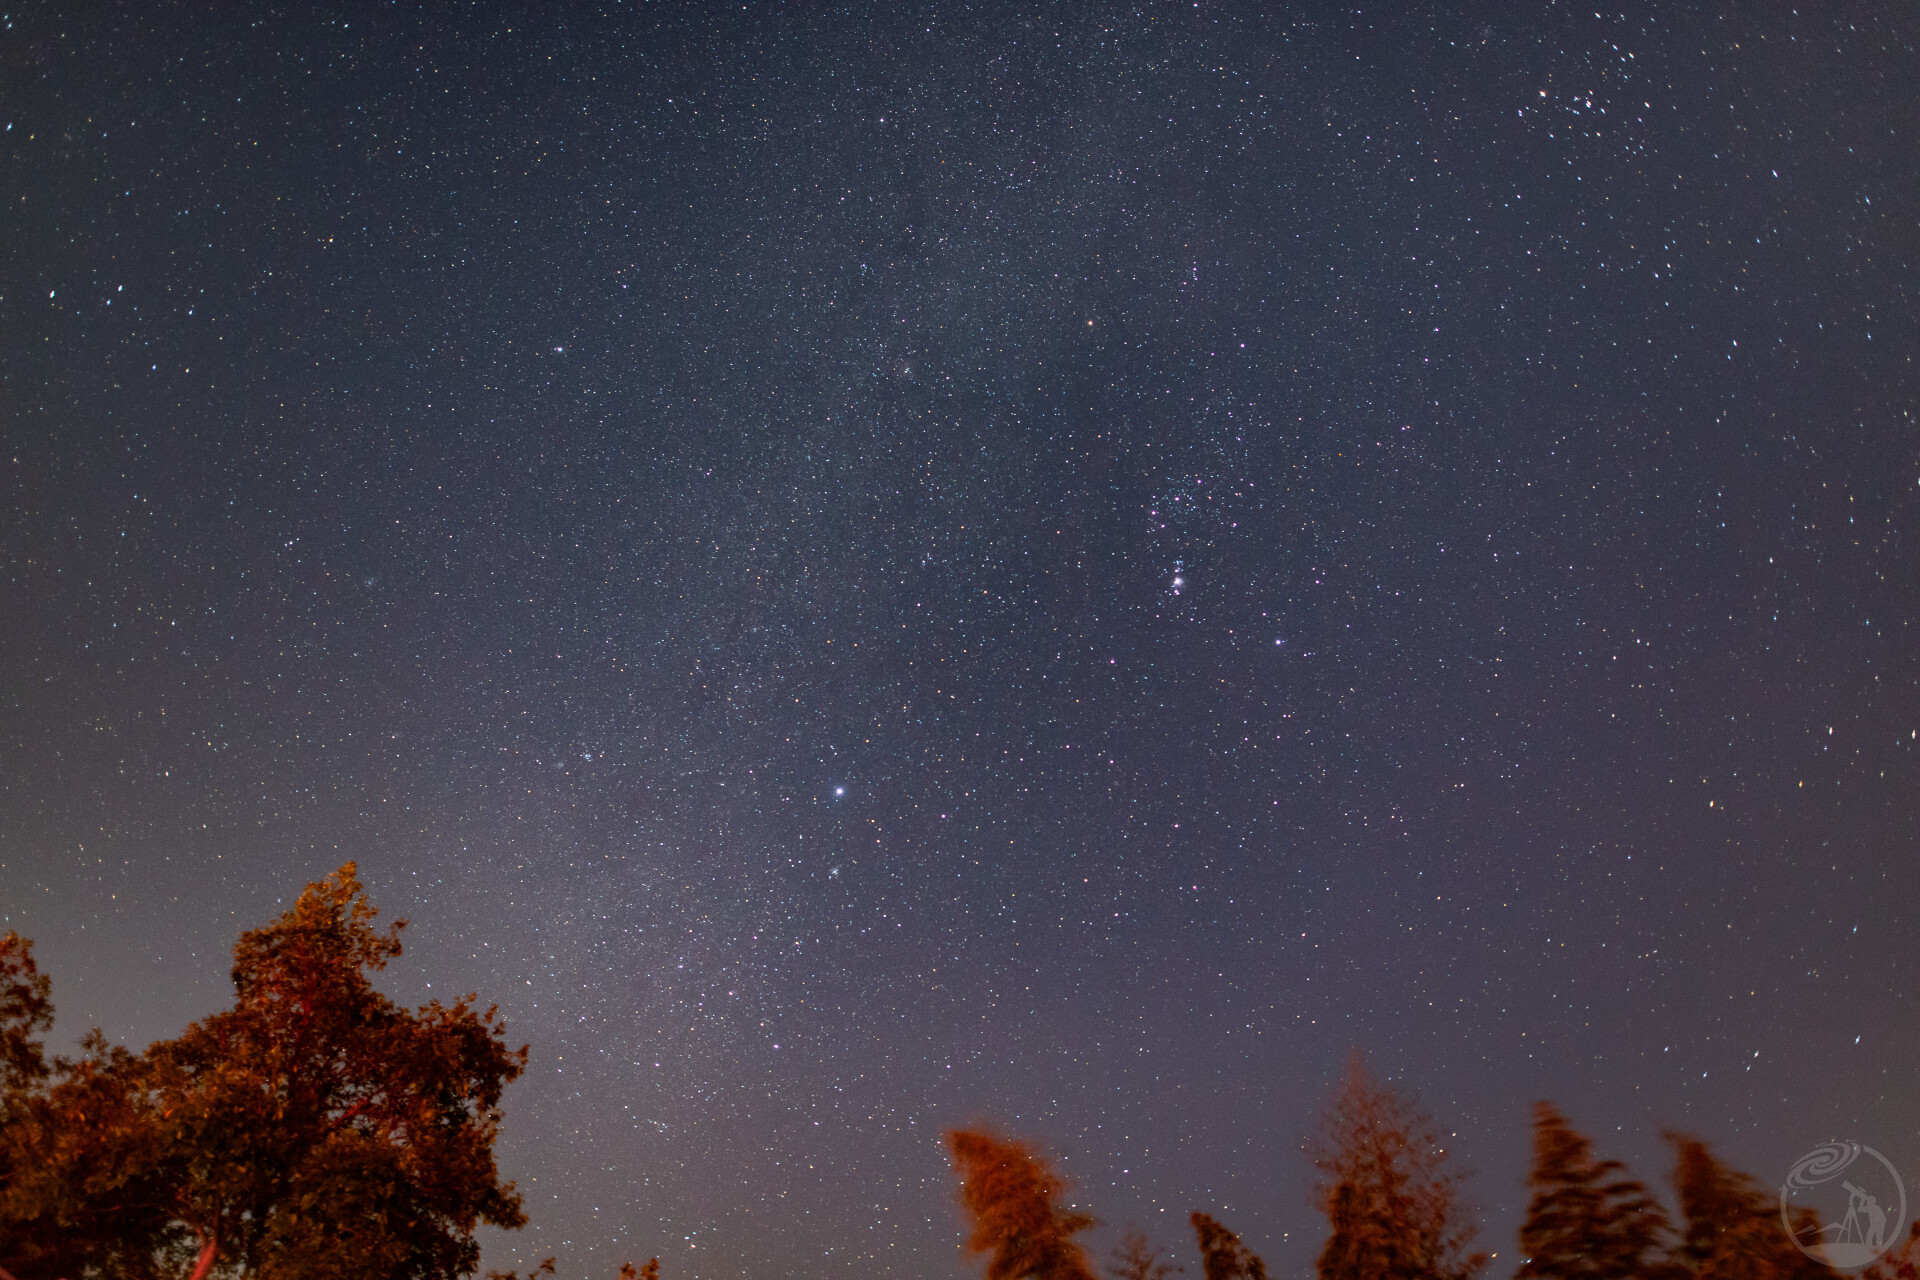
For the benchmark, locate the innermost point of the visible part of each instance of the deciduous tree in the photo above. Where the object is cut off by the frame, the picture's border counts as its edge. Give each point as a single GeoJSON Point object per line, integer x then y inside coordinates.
{"type": "Point", "coordinates": [1135, 1259]}
{"type": "Point", "coordinates": [80, 1187]}
{"type": "Point", "coordinates": [26, 1011]}
{"type": "Point", "coordinates": [315, 1129]}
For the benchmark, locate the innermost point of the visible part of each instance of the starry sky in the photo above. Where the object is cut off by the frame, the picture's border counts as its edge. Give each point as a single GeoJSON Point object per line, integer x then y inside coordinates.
{"type": "Point", "coordinates": [866, 569]}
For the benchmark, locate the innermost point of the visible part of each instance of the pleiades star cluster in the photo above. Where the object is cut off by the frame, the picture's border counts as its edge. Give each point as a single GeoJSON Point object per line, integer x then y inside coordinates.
{"type": "Point", "coordinates": [864, 569]}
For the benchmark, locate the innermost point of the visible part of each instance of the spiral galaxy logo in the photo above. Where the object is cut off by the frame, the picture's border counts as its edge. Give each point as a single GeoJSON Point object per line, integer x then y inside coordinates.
{"type": "Point", "coordinates": [1843, 1204]}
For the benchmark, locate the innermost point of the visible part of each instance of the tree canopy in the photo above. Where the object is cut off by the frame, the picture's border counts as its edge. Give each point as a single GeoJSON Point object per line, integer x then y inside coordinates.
{"type": "Point", "coordinates": [1222, 1256]}
{"type": "Point", "coordinates": [1588, 1220]}
{"type": "Point", "coordinates": [1733, 1229]}
{"type": "Point", "coordinates": [315, 1128]}
{"type": "Point", "coordinates": [1391, 1198]}
{"type": "Point", "coordinates": [1010, 1197]}
{"type": "Point", "coordinates": [1135, 1258]}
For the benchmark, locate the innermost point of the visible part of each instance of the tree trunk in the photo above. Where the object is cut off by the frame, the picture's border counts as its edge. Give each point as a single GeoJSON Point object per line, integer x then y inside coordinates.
{"type": "Point", "coordinates": [205, 1262]}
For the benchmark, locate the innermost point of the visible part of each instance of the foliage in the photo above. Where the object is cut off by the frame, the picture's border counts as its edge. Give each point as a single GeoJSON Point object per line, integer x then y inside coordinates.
{"type": "Point", "coordinates": [1588, 1220]}
{"type": "Point", "coordinates": [1222, 1256]}
{"type": "Point", "coordinates": [1902, 1262]}
{"type": "Point", "coordinates": [1135, 1259]}
{"type": "Point", "coordinates": [1733, 1229]}
{"type": "Point", "coordinates": [316, 1129]}
{"type": "Point", "coordinates": [1009, 1194]}
{"type": "Point", "coordinates": [313, 1130]}
{"type": "Point", "coordinates": [83, 1186]}
{"type": "Point", "coordinates": [546, 1268]}
{"type": "Point", "coordinates": [26, 1008]}
{"type": "Point", "coordinates": [1391, 1199]}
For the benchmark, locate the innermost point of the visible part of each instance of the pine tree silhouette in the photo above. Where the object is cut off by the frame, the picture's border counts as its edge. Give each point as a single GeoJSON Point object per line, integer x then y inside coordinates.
{"type": "Point", "coordinates": [1222, 1256]}
{"type": "Point", "coordinates": [1009, 1194]}
{"type": "Point", "coordinates": [1733, 1229]}
{"type": "Point", "coordinates": [1588, 1219]}
{"type": "Point", "coordinates": [1391, 1200]}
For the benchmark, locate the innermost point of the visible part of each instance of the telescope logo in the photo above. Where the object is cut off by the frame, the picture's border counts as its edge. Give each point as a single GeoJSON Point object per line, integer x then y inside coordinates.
{"type": "Point", "coordinates": [1843, 1204]}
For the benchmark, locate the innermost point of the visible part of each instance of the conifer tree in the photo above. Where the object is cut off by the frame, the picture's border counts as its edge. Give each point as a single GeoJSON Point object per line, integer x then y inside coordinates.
{"type": "Point", "coordinates": [1588, 1220]}
{"type": "Point", "coordinates": [1009, 1194]}
{"type": "Point", "coordinates": [1733, 1229]}
{"type": "Point", "coordinates": [1222, 1256]}
{"type": "Point", "coordinates": [1391, 1199]}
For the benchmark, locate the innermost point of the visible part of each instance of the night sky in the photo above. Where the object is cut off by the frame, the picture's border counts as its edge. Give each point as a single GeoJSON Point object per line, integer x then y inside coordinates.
{"type": "Point", "coordinates": [866, 570]}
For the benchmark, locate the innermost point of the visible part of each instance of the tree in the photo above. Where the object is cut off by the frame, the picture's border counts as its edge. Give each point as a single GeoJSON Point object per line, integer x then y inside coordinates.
{"type": "Point", "coordinates": [1222, 1256]}
{"type": "Point", "coordinates": [313, 1130]}
{"type": "Point", "coordinates": [1902, 1262]}
{"type": "Point", "coordinates": [1135, 1259]}
{"type": "Point", "coordinates": [78, 1189]}
{"type": "Point", "coordinates": [1009, 1194]}
{"type": "Point", "coordinates": [26, 1009]}
{"type": "Point", "coordinates": [649, 1272]}
{"type": "Point", "coordinates": [1391, 1200]}
{"type": "Point", "coordinates": [546, 1268]}
{"type": "Point", "coordinates": [1733, 1229]}
{"type": "Point", "coordinates": [1588, 1220]}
